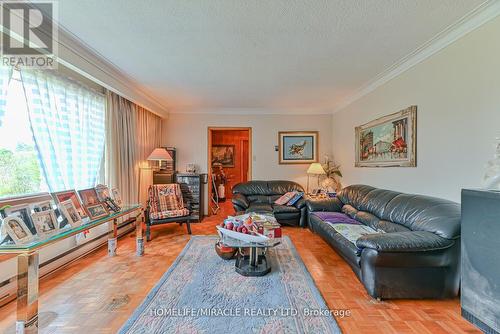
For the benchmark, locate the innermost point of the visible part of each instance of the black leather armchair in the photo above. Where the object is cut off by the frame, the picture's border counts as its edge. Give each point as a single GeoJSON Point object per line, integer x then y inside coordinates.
{"type": "Point", "coordinates": [259, 196]}
{"type": "Point", "coordinates": [417, 256]}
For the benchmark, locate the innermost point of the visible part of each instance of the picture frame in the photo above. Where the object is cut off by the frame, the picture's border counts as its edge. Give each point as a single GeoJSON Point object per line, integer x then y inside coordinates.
{"type": "Point", "coordinates": [89, 197]}
{"type": "Point", "coordinates": [298, 147]}
{"type": "Point", "coordinates": [42, 206]}
{"type": "Point", "coordinates": [17, 230]}
{"type": "Point", "coordinates": [23, 211]}
{"type": "Point", "coordinates": [62, 196]}
{"type": "Point", "coordinates": [389, 141]}
{"type": "Point", "coordinates": [116, 195]}
{"type": "Point", "coordinates": [103, 192]}
{"type": "Point", "coordinates": [224, 154]}
{"type": "Point", "coordinates": [71, 213]}
{"type": "Point", "coordinates": [45, 223]}
{"type": "Point", "coordinates": [97, 211]}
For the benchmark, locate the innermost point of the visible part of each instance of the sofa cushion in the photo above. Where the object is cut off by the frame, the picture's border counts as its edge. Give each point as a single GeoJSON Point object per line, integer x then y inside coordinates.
{"type": "Point", "coordinates": [415, 212]}
{"type": "Point", "coordinates": [345, 248]}
{"type": "Point", "coordinates": [266, 188]}
{"type": "Point", "coordinates": [349, 210]}
{"type": "Point", "coordinates": [336, 218]}
{"type": "Point", "coordinates": [424, 213]}
{"type": "Point", "coordinates": [281, 187]}
{"type": "Point", "coordinates": [259, 207]}
{"type": "Point", "coordinates": [284, 209]}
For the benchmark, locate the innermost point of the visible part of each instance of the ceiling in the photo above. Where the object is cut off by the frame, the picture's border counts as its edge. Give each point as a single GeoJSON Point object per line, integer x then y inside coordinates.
{"type": "Point", "coordinates": [279, 55]}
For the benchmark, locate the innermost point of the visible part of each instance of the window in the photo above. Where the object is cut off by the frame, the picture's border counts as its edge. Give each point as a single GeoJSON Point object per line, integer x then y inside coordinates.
{"type": "Point", "coordinates": [20, 172]}
{"type": "Point", "coordinates": [52, 134]}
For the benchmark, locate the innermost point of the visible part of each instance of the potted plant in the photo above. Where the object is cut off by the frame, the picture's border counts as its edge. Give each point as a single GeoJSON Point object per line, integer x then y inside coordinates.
{"type": "Point", "coordinates": [332, 178]}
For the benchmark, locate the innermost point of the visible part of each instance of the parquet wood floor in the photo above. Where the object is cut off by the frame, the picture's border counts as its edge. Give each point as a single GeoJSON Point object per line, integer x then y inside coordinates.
{"type": "Point", "coordinates": [97, 294]}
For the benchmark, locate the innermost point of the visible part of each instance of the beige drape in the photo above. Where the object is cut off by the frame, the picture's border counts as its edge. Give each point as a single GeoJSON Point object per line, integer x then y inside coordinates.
{"type": "Point", "coordinates": [132, 134]}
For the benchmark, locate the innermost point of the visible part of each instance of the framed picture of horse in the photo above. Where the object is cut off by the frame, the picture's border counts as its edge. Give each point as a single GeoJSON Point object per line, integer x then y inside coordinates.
{"type": "Point", "coordinates": [390, 141]}
{"type": "Point", "coordinates": [298, 147]}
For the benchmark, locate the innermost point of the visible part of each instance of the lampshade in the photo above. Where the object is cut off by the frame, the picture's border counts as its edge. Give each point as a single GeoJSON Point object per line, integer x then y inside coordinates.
{"type": "Point", "coordinates": [316, 168]}
{"type": "Point", "coordinates": [160, 154]}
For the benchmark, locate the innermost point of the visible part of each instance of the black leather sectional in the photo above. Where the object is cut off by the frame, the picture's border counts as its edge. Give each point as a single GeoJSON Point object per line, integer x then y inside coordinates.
{"type": "Point", "coordinates": [418, 256]}
{"type": "Point", "coordinates": [259, 196]}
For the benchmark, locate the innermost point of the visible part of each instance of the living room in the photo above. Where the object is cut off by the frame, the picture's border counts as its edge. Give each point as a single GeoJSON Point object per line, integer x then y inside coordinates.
{"type": "Point", "coordinates": [244, 166]}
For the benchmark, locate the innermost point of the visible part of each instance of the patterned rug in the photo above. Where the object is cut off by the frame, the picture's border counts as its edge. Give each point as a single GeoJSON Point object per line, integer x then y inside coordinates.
{"type": "Point", "coordinates": [201, 293]}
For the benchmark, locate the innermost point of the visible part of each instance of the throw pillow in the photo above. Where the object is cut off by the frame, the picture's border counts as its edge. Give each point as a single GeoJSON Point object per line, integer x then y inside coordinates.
{"type": "Point", "coordinates": [295, 198]}
{"type": "Point", "coordinates": [285, 198]}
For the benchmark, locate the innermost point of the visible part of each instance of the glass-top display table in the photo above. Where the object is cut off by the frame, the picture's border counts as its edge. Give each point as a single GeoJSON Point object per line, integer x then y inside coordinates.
{"type": "Point", "coordinates": [27, 261]}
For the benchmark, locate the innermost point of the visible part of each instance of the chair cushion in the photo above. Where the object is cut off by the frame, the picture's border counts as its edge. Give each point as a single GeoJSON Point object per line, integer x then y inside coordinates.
{"type": "Point", "coordinates": [169, 214]}
{"type": "Point", "coordinates": [165, 201]}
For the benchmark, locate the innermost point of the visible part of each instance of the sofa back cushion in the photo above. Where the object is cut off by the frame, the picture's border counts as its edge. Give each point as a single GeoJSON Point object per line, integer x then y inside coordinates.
{"type": "Point", "coordinates": [266, 191]}
{"type": "Point", "coordinates": [424, 213]}
{"type": "Point", "coordinates": [408, 212]}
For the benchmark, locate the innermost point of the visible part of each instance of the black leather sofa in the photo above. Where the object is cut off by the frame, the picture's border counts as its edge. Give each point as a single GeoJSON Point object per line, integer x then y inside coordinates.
{"type": "Point", "coordinates": [259, 196]}
{"type": "Point", "coordinates": [418, 256]}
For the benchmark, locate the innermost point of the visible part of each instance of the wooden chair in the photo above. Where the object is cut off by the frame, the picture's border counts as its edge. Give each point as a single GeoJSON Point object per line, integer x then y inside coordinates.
{"type": "Point", "coordinates": [166, 205]}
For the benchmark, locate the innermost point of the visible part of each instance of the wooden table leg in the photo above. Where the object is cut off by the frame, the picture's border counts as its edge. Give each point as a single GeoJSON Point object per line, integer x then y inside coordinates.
{"type": "Point", "coordinates": [139, 241]}
{"type": "Point", "coordinates": [27, 293]}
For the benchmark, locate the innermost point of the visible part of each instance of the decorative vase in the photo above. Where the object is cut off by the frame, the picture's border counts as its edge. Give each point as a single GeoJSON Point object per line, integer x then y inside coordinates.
{"type": "Point", "coordinates": [491, 178]}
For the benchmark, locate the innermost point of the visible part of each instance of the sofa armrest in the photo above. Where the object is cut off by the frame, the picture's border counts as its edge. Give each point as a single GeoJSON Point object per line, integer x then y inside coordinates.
{"type": "Point", "coordinates": [324, 204]}
{"type": "Point", "coordinates": [300, 203]}
{"type": "Point", "coordinates": [240, 200]}
{"type": "Point", "coordinates": [411, 241]}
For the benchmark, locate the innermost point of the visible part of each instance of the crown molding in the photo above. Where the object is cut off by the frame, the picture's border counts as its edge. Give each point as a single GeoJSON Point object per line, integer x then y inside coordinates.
{"type": "Point", "coordinates": [473, 20]}
{"type": "Point", "coordinates": [249, 111]}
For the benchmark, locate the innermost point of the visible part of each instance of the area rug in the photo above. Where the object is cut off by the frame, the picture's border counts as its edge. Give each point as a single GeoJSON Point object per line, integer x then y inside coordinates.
{"type": "Point", "coordinates": [201, 293]}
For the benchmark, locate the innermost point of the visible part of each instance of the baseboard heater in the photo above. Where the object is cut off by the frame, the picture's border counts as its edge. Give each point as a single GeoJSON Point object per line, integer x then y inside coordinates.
{"type": "Point", "coordinates": [8, 288]}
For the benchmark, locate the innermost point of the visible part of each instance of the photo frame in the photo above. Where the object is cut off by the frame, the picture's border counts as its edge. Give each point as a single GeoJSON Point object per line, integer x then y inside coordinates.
{"type": "Point", "coordinates": [116, 195]}
{"type": "Point", "coordinates": [389, 141]}
{"type": "Point", "coordinates": [89, 197]}
{"type": "Point", "coordinates": [22, 211]}
{"type": "Point", "coordinates": [17, 230]}
{"type": "Point", "coordinates": [97, 211]}
{"type": "Point", "coordinates": [223, 154]}
{"type": "Point", "coordinates": [71, 213]}
{"type": "Point", "coordinates": [65, 195]}
{"type": "Point", "coordinates": [103, 192]}
{"type": "Point", "coordinates": [298, 147]}
{"type": "Point", "coordinates": [45, 223]}
{"type": "Point", "coordinates": [42, 206]}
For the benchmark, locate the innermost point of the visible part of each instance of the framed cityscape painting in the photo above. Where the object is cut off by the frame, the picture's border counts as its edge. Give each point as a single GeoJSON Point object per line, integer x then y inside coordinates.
{"type": "Point", "coordinates": [298, 147]}
{"type": "Point", "coordinates": [390, 141]}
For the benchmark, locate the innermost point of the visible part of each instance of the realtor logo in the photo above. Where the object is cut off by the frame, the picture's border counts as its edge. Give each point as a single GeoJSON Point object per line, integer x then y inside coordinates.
{"type": "Point", "coordinates": [29, 34]}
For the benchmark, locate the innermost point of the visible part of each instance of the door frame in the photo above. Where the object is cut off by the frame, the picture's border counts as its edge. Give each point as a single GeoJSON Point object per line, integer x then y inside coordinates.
{"type": "Point", "coordinates": [210, 130]}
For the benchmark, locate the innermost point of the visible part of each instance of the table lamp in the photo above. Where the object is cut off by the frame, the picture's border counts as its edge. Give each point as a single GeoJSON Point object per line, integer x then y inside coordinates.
{"type": "Point", "coordinates": [160, 154]}
{"type": "Point", "coordinates": [314, 169]}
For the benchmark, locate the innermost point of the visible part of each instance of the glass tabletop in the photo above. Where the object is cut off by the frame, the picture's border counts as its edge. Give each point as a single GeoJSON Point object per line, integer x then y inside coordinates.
{"type": "Point", "coordinates": [64, 232]}
{"type": "Point", "coordinates": [237, 243]}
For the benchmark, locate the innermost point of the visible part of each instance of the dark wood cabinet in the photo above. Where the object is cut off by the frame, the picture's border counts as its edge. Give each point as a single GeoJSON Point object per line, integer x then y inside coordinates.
{"type": "Point", "coordinates": [192, 186]}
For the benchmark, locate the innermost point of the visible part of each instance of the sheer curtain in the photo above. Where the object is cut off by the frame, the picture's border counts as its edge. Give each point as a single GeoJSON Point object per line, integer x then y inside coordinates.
{"type": "Point", "coordinates": [67, 121]}
{"type": "Point", "coordinates": [132, 134]}
{"type": "Point", "coordinates": [5, 75]}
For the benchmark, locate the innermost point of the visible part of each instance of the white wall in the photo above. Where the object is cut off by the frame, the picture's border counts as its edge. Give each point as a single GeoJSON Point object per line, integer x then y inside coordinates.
{"type": "Point", "coordinates": [457, 92]}
{"type": "Point", "coordinates": [189, 134]}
